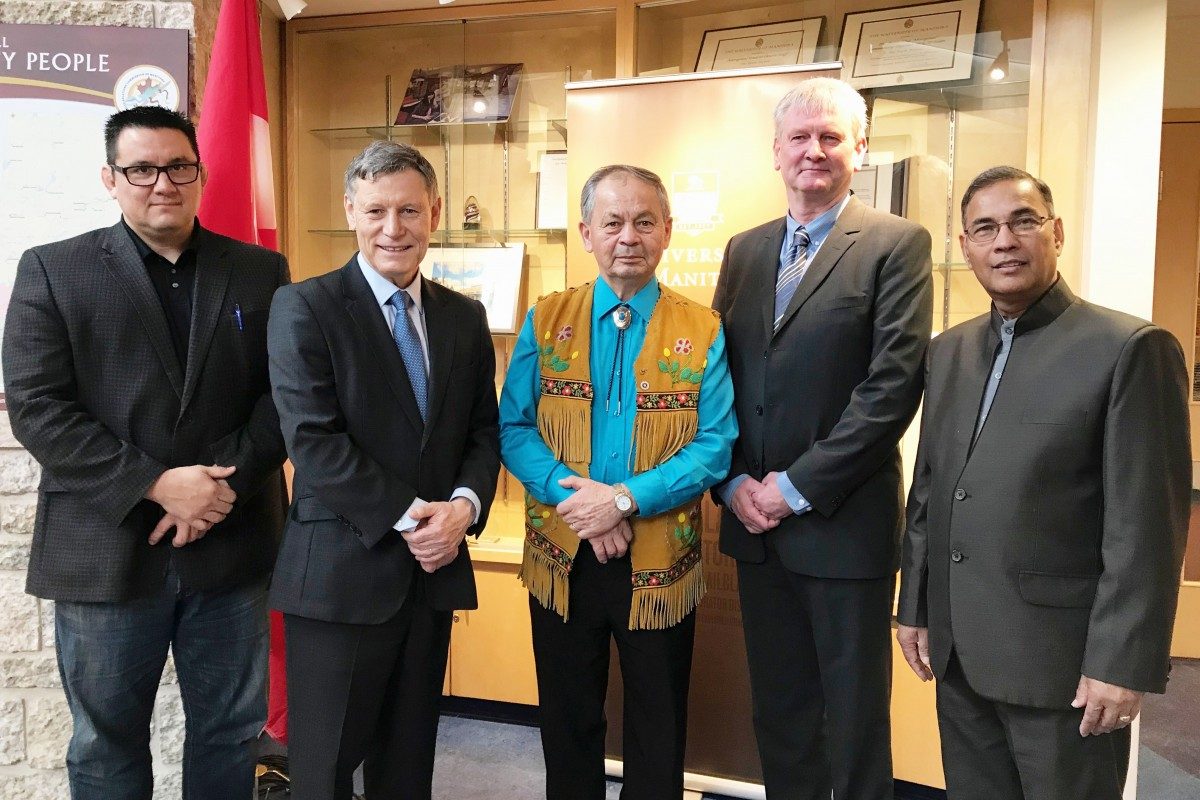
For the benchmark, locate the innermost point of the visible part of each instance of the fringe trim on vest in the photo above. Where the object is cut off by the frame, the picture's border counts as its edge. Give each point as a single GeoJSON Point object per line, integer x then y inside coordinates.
{"type": "Point", "coordinates": [544, 578]}
{"type": "Point", "coordinates": [658, 607]}
{"type": "Point", "coordinates": [565, 425]}
{"type": "Point", "coordinates": [660, 435]}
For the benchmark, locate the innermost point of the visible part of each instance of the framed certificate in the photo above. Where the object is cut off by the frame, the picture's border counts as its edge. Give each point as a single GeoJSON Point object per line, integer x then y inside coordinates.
{"type": "Point", "coordinates": [924, 43]}
{"type": "Point", "coordinates": [773, 45]}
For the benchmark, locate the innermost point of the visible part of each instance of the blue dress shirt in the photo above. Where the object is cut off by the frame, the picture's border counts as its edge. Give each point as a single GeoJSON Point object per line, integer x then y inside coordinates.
{"type": "Point", "coordinates": [700, 464]}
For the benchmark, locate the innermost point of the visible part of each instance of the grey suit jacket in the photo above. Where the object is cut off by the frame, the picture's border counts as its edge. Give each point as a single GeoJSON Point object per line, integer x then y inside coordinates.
{"type": "Point", "coordinates": [1052, 547]}
{"type": "Point", "coordinates": [829, 395]}
{"type": "Point", "coordinates": [96, 394]}
{"type": "Point", "coordinates": [361, 452]}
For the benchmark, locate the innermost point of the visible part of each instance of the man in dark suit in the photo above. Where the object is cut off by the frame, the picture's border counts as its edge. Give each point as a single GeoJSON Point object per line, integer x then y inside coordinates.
{"type": "Point", "coordinates": [1047, 518]}
{"type": "Point", "coordinates": [827, 313]}
{"type": "Point", "coordinates": [385, 384]}
{"type": "Point", "coordinates": [135, 366]}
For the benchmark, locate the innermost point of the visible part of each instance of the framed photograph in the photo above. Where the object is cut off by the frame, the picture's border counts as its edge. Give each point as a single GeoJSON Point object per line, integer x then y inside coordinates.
{"type": "Point", "coordinates": [883, 186]}
{"type": "Point", "coordinates": [924, 43]}
{"type": "Point", "coordinates": [491, 275]}
{"type": "Point", "coordinates": [459, 94]}
{"type": "Point", "coordinates": [773, 45]}
{"type": "Point", "coordinates": [550, 211]}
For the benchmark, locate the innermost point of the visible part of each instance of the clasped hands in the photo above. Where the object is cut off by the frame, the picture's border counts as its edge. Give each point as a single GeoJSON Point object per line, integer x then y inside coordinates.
{"type": "Point", "coordinates": [441, 527]}
{"type": "Point", "coordinates": [592, 513]}
{"type": "Point", "coordinates": [759, 505]}
{"type": "Point", "coordinates": [1107, 707]}
{"type": "Point", "coordinates": [194, 498]}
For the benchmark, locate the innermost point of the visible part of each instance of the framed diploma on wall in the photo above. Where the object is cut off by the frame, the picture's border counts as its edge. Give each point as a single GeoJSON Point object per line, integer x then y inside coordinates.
{"type": "Point", "coordinates": [924, 43]}
{"type": "Point", "coordinates": [774, 45]}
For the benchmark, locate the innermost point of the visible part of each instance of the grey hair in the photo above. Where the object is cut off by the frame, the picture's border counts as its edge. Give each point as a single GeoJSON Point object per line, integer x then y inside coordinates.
{"type": "Point", "coordinates": [994, 175]}
{"type": "Point", "coordinates": [386, 158]}
{"type": "Point", "coordinates": [825, 95]}
{"type": "Point", "coordinates": [587, 198]}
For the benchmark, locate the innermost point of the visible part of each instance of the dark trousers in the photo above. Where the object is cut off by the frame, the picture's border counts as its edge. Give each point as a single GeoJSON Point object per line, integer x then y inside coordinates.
{"type": "Point", "coordinates": [366, 694]}
{"type": "Point", "coordinates": [572, 676]}
{"type": "Point", "coordinates": [820, 659]}
{"type": "Point", "coordinates": [999, 751]}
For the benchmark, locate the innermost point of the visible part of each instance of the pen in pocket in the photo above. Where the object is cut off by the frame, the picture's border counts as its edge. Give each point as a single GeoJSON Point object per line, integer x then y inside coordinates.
{"type": "Point", "coordinates": [237, 315]}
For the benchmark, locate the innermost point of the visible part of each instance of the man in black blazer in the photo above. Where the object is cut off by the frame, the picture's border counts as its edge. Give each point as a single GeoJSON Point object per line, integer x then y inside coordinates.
{"type": "Point", "coordinates": [1047, 518]}
{"type": "Point", "coordinates": [385, 384]}
{"type": "Point", "coordinates": [827, 313]}
{"type": "Point", "coordinates": [135, 367]}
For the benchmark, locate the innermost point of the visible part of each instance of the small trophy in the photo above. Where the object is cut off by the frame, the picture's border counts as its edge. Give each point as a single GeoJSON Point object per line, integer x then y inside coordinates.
{"type": "Point", "coordinates": [471, 214]}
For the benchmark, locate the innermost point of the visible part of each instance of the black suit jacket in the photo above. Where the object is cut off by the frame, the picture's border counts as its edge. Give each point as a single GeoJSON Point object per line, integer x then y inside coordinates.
{"type": "Point", "coordinates": [1052, 547]}
{"type": "Point", "coordinates": [361, 452]}
{"type": "Point", "coordinates": [828, 397]}
{"type": "Point", "coordinates": [96, 394]}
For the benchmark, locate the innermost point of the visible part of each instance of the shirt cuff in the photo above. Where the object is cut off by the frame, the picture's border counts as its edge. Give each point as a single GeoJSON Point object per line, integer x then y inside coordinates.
{"type": "Point", "coordinates": [729, 487]}
{"type": "Point", "coordinates": [791, 495]}
{"type": "Point", "coordinates": [407, 523]}
{"type": "Point", "coordinates": [463, 491]}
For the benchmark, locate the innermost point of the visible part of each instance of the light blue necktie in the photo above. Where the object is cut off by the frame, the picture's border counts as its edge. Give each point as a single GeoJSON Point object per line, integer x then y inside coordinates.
{"type": "Point", "coordinates": [405, 334]}
{"type": "Point", "coordinates": [790, 274]}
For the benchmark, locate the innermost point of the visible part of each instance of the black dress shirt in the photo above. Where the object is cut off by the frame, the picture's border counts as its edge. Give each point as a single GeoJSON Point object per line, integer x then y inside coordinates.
{"type": "Point", "coordinates": [175, 285]}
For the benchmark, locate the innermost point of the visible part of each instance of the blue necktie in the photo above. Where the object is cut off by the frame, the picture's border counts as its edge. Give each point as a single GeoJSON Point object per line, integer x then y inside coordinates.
{"type": "Point", "coordinates": [790, 274]}
{"type": "Point", "coordinates": [405, 334]}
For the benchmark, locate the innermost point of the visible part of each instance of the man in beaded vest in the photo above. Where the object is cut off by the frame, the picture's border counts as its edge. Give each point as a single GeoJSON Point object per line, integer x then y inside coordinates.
{"type": "Point", "coordinates": [617, 415]}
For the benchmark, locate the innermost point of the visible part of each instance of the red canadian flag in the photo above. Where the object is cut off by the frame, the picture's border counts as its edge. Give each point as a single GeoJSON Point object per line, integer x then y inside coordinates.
{"type": "Point", "coordinates": [239, 198]}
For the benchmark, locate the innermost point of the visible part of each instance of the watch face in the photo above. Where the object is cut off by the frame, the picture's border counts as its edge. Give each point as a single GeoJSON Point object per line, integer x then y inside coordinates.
{"type": "Point", "coordinates": [624, 503]}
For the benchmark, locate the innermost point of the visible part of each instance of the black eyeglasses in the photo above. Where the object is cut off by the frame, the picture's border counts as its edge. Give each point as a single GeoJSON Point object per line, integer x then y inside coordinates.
{"type": "Point", "coordinates": [147, 174]}
{"type": "Point", "coordinates": [986, 232]}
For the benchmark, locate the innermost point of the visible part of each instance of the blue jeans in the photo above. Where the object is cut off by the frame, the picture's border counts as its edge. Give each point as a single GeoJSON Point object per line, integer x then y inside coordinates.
{"type": "Point", "coordinates": [111, 657]}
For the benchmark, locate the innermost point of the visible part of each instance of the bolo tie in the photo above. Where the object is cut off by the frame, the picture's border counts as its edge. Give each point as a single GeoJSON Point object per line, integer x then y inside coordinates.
{"type": "Point", "coordinates": [622, 317]}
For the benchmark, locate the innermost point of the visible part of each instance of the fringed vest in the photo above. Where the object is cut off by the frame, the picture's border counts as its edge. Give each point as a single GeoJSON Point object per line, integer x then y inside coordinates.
{"type": "Point", "coordinates": [667, 578]}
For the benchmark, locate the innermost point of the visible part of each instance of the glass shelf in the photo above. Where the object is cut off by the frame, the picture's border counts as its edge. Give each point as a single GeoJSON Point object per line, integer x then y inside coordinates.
{"type": "Point", "coordinates": [408, 132]}
{"type": "Point", "coordinates": [458, 235]}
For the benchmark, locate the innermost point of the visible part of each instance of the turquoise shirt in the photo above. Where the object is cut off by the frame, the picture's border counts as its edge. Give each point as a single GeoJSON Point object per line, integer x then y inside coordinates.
{"type": "Point", "coordinates": [700, 464]}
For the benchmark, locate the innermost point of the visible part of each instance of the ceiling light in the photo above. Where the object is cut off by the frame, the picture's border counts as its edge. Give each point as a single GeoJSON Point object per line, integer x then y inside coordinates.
{"type": "Point", "coordinates": [999, 70]}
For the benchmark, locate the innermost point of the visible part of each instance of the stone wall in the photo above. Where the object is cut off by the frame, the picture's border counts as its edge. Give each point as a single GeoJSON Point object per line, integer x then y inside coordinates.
{"type": "Point", "coordinates": [34, 722]}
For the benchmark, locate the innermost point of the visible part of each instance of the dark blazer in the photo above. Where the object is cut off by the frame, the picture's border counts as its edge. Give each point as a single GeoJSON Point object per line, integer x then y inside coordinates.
{"type": "Point", "coordinates": [361, 452]}
{"type": "Point", "coordinates": [828, 397]}
{"type": "Point", "coordinates": [96, 394]}
{"type": "Point", "coordinates": [1052, 547]}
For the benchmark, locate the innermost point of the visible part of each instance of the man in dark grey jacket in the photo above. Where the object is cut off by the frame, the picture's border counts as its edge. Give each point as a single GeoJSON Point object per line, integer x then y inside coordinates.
{"type": "Point", "coordinates": [1047, 517]}
{"type": "Point", "coordinates": [135, 366]}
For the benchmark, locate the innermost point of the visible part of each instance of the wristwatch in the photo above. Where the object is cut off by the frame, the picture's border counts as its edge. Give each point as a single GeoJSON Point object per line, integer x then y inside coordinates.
{"type": "Point", "coordinates": [623, 499]}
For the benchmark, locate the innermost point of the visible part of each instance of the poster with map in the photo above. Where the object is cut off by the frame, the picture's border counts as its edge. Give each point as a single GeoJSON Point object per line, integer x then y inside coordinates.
{"type": "Point", "coordinates": [58, 85]}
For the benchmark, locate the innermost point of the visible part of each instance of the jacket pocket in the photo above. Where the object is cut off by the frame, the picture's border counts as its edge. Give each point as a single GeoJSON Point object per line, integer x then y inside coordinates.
{"type": "Point", "coordinates": [310, 509]}
{"type": "Point", "coordinates": [834, 303]}
{"type": "Point", "coordinates": [1060, 591]}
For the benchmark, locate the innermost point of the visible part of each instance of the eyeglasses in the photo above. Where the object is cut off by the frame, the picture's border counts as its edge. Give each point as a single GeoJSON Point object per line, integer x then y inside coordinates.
{"type": "Point", "coordinates": [986, 232]}
{"type": "Point", "coordinates": [147, 174]}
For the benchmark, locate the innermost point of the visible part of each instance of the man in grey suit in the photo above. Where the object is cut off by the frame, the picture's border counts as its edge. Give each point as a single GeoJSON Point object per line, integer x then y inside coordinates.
{"type": "Point", "coordinates": [1047, 518]}
{"type": "Point", "coordinates": [385, 384]}
{"type": "Point", "coordinates": [827, 312]}
{"type": "Point", "coordinates": [135, 364]}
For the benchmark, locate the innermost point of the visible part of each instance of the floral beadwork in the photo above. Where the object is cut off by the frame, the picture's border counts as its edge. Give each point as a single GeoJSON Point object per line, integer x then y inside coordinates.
{"type": "Point", "coordinates": [561, 387]}
{"type": "Point", "coordinates": [667, 401]}
{"type": "Point", "coordinates": [665, 577]}
{"type": "Point", "coordinates": [557, 354]}
{"type": "Point", "coordinates": [678, 365]}
{"type": "Point", "coordinates": [686, 528]}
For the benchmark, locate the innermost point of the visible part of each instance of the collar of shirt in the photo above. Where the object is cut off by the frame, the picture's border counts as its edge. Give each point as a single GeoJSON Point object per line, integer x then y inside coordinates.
{"type": "Point", "coordinates": [383, 289]}
{"type": "Point", "coordinates": [145, 251]}
{"type": "Point", "coordinates": [604, 300]}
{"type": "Point", "coordinates": [818, 230]}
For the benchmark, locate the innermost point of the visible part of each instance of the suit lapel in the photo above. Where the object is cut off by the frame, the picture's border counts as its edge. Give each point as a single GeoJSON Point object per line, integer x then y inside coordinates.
{"type": "Point", "coordinates": [440, 328]}
{"type": "Point", "coordinates": [212, 282]}
{"type": "Point", "coordinates": [120, 257]}
{"type": "Point", "coordinates": [369, 322]}
{"type": "Point", "coordinates": [769, 272]}
{"type": "Point", "coordinates": [839, 240]}
{"type": "Point", "coordinates": [977, 356]}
